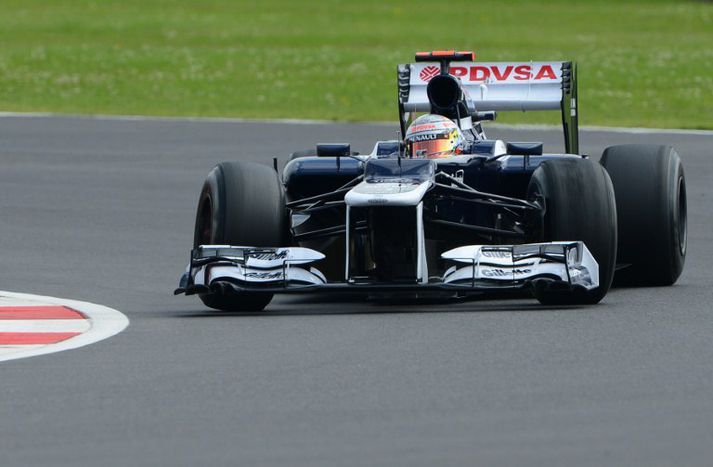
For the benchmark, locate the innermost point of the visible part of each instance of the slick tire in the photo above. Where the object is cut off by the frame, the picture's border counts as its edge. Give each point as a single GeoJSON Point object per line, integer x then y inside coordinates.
{"type": "Point", "coordinates": [579, 203]}
{"type": "Point", "coordinates": [241, 203]}
{"type": "Point", "coordinates": [650, 188]}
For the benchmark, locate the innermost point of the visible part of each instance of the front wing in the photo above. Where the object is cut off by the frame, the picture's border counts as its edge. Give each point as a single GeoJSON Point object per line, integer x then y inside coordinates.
{"type": "Point", "coordinates": [474, 269]}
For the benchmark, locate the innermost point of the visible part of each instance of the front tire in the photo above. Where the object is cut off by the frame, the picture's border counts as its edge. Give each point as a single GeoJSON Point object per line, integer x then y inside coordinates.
{"type": "Point", "coordinates": [579, 205]}
{"type": "Point", "coordinates": [650, 188]}
{"type": "Point", "coordinates": [241, 204]}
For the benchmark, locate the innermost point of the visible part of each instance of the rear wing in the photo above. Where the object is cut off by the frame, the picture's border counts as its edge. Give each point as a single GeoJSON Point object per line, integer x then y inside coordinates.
{"type": "Point", "coordinates": [498, 86]}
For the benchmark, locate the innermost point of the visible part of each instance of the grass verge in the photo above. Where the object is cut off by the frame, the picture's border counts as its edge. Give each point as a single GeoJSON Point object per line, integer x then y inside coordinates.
{"type": "Point", "coordinates": [642, 63]}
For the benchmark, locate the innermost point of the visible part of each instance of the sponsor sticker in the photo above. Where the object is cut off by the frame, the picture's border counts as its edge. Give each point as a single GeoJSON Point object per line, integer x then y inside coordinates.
{"type": "Point", "coordinates": [495, 254]}
{"type": "Point", "coordinates": [498, 72]}
{"type": "Point", "coordinates": [424, 137]}
{"type": "Point", "coordinates": [496, 272]}
{"type": "Point", "coordinates": [429, 72]}
{"type": "Point", "coordinates": [269, 255]}
{"type": "Point", "coordinates": [264, 275]}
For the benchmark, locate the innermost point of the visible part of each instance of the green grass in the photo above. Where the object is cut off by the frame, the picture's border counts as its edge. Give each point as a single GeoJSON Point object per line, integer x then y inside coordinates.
{"type": "Point", "coordinates": [642, 63]}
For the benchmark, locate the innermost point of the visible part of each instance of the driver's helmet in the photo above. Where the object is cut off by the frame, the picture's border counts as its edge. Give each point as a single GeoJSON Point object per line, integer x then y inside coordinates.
{"type": "Point", "coordinates": [433, 136]}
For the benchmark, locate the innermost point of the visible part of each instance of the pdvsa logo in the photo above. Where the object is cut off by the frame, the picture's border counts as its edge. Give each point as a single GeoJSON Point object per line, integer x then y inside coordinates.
{"type": "Point", "coordinates": [495, 73]}
{"type": "Point", "coordinates": [429, 72]}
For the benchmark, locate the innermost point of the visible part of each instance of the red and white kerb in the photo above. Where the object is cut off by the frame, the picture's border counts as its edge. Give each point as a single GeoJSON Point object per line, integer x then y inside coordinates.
{"type": "Point", "coordinates": [24, 327]}
{"type": "Point", "coordinates": [33, 325]}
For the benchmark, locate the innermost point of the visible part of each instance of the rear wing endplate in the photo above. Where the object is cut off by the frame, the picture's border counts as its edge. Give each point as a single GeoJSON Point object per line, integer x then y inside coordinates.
{"type": "Point", "coordinates": [499, 86]}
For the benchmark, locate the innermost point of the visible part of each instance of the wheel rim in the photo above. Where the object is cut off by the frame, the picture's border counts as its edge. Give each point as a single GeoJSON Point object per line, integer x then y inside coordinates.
{"type": "Point", "coordinates": [682, 216]}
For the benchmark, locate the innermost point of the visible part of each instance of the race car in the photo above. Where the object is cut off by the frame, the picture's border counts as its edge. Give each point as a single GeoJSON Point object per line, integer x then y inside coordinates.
{"type": "Point", "coordinates": [443, 210]}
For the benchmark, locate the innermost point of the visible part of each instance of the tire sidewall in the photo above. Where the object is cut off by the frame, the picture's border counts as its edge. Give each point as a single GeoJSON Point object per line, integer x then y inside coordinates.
{"type": "Point", "coordinates": [211, 200]}
{"type": "Point", "coordinates": [677, 233]}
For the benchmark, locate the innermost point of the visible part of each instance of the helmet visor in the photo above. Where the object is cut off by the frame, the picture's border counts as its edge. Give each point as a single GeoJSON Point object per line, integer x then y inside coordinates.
{"type": "Point", "coordinates": [442, 146]}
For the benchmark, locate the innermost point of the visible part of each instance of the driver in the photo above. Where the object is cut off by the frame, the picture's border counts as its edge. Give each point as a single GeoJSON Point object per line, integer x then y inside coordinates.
{"type": "Point", "coordinates": [433, 137]}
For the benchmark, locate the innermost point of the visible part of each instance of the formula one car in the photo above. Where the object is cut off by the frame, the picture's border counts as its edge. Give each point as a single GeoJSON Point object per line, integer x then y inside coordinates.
{"type": "Point", "coordinates": [445, 211]}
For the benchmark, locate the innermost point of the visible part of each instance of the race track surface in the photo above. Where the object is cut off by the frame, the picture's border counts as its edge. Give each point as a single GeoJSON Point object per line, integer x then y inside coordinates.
{"type": "Point", "coordinates": [103, 211]}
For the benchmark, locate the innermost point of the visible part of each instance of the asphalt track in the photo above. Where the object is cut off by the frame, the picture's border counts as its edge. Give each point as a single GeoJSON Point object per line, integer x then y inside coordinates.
{"type": "Point", "coordinates": [102, 211]}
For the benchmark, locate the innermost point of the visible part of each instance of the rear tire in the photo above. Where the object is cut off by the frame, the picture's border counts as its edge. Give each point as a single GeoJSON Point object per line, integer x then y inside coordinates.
{"type": "Point", "coordinates": [650, 188]}
{"type": "Point", "coordinates": [241, 204]}
{"type": "Point", "coordinates": [579, 205]}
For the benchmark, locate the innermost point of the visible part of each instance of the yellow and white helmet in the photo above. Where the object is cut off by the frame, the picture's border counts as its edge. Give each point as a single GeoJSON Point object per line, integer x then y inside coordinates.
{"type": "Point", "coordinates": [433, 136]}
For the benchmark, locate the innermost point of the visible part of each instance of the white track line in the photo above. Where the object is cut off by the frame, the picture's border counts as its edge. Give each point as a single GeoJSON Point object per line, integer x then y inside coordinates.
{"type": "Point", "coordinates": [45, 325]}
{"type": "Point", "coordinates": [296, 121]}
{"type": "Point", "coordinates": [8, 352]}
{"type": "Point", "coordinates": [104, 321]}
